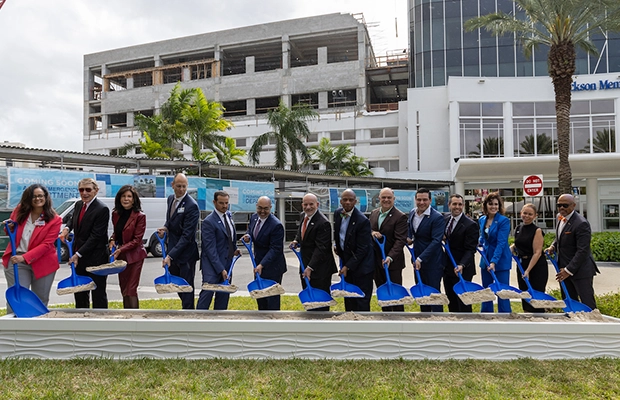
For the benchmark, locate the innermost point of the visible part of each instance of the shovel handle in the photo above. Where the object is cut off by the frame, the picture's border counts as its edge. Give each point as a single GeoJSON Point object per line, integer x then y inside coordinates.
{"type": "Point", "coordinates": [301, 263]}
{"type": "Point", "coordinates": [557, 269]}
{"type": "Point", "coordinates": [12, 234]}
{"type": "Point", "coordinates": [248, 246]}
{"type": "Point", "coordinates": [527, 281]}
{"type": "Point", "coordinates": [162, 242]}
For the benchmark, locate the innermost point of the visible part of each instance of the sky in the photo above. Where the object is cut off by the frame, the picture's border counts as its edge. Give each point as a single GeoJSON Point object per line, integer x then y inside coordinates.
{"type": "Point", "coordinates": [43, 43]}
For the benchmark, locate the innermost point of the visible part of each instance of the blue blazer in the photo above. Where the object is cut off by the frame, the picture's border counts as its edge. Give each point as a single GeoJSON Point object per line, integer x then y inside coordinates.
{"type": "Point", "coordinates": [427, 239]}
{"type": "Point", "coordinates": [269, 247]}
{"type": "Point", "coordinates": [495, 242]}
{"type": "Point", "coordinates": [214, 257]}
{"type": "Point", "coordinates": [358, 253]}
{"type": "Point", "coordinates": [182, 225]}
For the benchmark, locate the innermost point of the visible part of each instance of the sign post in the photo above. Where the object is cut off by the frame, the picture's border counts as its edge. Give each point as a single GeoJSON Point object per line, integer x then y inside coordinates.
{"type": "Point", "coordinates": [533, 185]}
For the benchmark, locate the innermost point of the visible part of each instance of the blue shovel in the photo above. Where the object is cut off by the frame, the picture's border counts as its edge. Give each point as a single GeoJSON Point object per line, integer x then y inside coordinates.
{"type": "Point", "coordinates": [427, 295]}
{"type": "Point", "coordinates": [502, 290]}
{"type": "Point", "coordinates": [171, 282]}
{"type": "Point", "coordinates": [74, 283]}
{"type": "Point", "coordinates": [259, 285]}
{"type": "Point", "coordinates": [24, 302]}
{"type": "Point", "coordinates": [225, 286]}
{"type": "Point", "coordinates": [110, 268]}
{"type": "Point", "coordinates": [345, 289]}
{"type": "Point", "coordinates": [468, 292]}
{"type": "Point", "coordinates": [311, 297]}
{"type": "Point", "coordinates": [549, 301]}
{"type": "Point", "coordinates": [571, 305]}
{"type": "Point", "coordinates": [390, 294]}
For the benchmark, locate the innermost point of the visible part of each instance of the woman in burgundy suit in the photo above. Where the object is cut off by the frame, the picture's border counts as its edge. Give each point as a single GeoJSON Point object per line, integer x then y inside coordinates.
{"type": "Point", "coordinates": [129, 225]}
{"type": "Point", "coordinates": [37, 229]}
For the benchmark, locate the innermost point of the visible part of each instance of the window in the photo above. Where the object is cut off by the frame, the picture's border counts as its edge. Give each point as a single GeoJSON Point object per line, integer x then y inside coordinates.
{"type": "Point", "coordinates": [481, 129]}
{"type": "Point", "coordinates": [200, 71]}
{"type": "Point", "coordinates": [116, 121]}
{"type": "Point", "coordinates": [312, 138]}
{"type": "Point", "coordinates": [234, 108]}
{"type": "Point", "coordinates": [383, 136]}
{"type": "Point", "coordinates": [388, 165]}
{"type": "Point", "coordinates": [240, 142]}
{"type": "Point", "coordinates": [263, 105]}
{"type": "Point", "coordinates": [611, 216]}
{"type": "Point", "coordinates": [341, 98]}
{"type": "Point", "coordinates": [173, 75]}
{"type": "Point", "coordinates": [118, 152]}
{"type": "Point", "coordinates": [144, 79]}
{"type": "Point", "coordinates": [310, 99]}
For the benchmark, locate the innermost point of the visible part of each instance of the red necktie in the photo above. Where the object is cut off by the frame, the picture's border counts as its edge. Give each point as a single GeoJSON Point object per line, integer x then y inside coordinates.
{"type": "Point", "coordinates": [304, 226]}
{"type": "Point", "coordinates": [82, 212]}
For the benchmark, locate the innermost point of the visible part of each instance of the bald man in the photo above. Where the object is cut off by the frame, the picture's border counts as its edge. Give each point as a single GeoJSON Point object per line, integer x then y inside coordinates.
{"type": "Point", "coordinates": [182, 217]}
{"type": "Point", "coordinates": [315, 239]}
{"type": "Point", "coordinates": [572, 245]}
{"type": "Point", "coordinates": [267, 233]}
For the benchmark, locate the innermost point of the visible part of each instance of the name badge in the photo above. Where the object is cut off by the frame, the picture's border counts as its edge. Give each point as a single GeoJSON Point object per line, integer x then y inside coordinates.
{"type": "Point", "coordinates": [181, 210]}
{"type": "Point", "coordinates": [39, 222]}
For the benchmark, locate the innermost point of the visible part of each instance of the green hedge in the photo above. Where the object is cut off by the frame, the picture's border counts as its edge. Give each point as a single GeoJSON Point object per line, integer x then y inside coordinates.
{"type": "Point", "coordinates": [605, 245]}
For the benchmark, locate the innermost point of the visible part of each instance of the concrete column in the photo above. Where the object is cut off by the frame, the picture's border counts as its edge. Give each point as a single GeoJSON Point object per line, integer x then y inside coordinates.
{"type": "Point", "coordinates": [130, 82]}
{"type": "Point", "coordinates": [286, 99]}
{"type": "Point", "coordinates": [186, 75]}
{"type": "Point", "coordinates": [617, 127]}
{"type": "Point", "coordinates": [286, 52]}
{"type": "Point", "coordinates": [158, 61]}
{"type": "Point", "coordinates": [508, 134]}
{"type": "Point", "coordinates": [250, 106]}
{"type": "Point", "coordinates": [455, 138]}
{"type": "Point", "coordinates": [593, 204]}
{"type": "Point", "coordinates": [104, 122]}
{"type": "Point", "coordinates": [322, 100]}
{"type": "Point", "coordinates": [322, 55]}
{"type": "Point", "coordinates": [459, 187]}
{"type": "Point", "coordinates": [249, 64]}
{"type": "Point", "coordinates": [362, 47]}
{"type": "Point", "coordinates": [130, 119]}
{"type": "Point", "coordinates": [281, 212]}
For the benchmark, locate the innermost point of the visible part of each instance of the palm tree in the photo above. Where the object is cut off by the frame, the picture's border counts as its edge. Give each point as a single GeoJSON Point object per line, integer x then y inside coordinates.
{"type": "Point", "coordinates": [562, 25]}
{"type": "Point", "coordinates": [542, 145]}
{"type": "Point", "coordinates": [225, 154]}
{"type": "Point", "coordinates": [289, 130]}
{"type": "Point", "coordinates": [201, 119]}
{"type": "Point", "coordinates": [356, 166]}
{"type": "Point", "coordinates": [491, 146]}
{"type": "Point", "coordinates": [333, 158]}
{"type": "Point", "coordinates": [604, 142]}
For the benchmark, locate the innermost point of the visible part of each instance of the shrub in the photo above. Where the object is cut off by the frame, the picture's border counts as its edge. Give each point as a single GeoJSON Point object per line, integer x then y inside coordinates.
{"type": "Point", "coordinates": [606, 246]}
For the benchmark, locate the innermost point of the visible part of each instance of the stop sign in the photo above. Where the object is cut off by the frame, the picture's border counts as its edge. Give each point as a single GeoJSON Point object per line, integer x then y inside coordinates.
{"type": "Point", "coordinates": [533, 185]}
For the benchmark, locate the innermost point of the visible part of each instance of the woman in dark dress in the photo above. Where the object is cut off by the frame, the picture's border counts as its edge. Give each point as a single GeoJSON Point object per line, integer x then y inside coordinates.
{"type": "Point", "coordinates": [528, 246]}
{"type": "Point", "coordinates": [129, 225]}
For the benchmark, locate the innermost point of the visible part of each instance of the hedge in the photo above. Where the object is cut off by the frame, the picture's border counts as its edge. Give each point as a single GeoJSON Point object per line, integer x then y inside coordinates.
{"type": "Point", "coordinates": [605, 245]}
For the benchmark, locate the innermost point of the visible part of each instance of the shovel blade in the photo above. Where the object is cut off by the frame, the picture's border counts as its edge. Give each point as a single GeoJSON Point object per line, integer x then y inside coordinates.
{"type": "Point", "coordinates": [392, 292]}
{"type": "Point", "coordinates": [311, 295]}
{"type": "Point", "coordinates": [24, 302]}
{"type": "Point", "coordinates": [573, 306]}
{"type": "Point", "coordinates": [347, 289]}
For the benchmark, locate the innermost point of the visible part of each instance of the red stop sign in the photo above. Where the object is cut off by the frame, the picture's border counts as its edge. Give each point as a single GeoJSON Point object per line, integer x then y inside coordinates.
{"type": "Point", "coordinates": [533, 185]}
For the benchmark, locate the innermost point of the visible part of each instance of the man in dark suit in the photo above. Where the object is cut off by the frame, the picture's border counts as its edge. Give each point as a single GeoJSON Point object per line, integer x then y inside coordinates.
{"type": "Point", "coordinates": [315, 238]}
{"type": "Point", "coordinates": [426, 228]}
{"type": "Point", "coordinates": [181, 222]}
{"type": "Point", "coordinates": [390, 222]}
{"type": "Point", "coordinates": [354, 247]}
{"type": "Point", "coordinates": [572, 244]}
{"type": "Point", "coordinates": [89, 223]}
{"type": "Point", "coordinates": [267, 233]}
{"type": "Point", "coordinates": [219, 246]}
{"type": "Point", "coordinates": [462, 237]}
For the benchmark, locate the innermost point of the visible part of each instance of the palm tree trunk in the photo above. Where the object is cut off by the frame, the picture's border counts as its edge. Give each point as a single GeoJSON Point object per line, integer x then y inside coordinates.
{"type": "Point", "coordinates": [561, 69]}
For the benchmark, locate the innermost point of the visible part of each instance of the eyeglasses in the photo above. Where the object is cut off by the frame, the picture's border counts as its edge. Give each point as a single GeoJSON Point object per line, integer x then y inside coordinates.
{"type": "Point", "coordinates": [85, 189]}
{"type": "Point", "coordinates": [263, 208]}
{"type": "Point", "coordinates": [562, 205]}
{"type": "Point", "coordinates": [38, 196]}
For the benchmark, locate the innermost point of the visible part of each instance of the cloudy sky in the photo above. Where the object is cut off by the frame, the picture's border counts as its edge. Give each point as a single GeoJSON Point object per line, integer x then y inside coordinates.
{"type": "Point", "coordinates": [42, 44]}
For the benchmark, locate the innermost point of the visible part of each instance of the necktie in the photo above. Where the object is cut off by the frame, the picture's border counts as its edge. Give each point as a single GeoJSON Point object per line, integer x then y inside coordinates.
{"type": "Point", "coordinates": [561, 218]}
{"type": "Point", "coordinates": [257, 228]}
{"type": "Point", "coordinates": [228, 230]}
{"type": "Point", "coordinates": [82, 212]}
{"type": "Point", "coordinates": [175, 203]}
{"type": "Point", "coordinates": [304, 226]}
{"type": "Point", "coordinates": [344, 215]}
{"type": "Point", "coordinates": [450, 227]}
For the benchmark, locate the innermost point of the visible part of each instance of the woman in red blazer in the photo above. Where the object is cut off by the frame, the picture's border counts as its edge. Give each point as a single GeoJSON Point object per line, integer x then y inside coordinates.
{"type": "Point", "coordinates": [37, 230]}
{"type": "Point", "coordinates": [129, 225]}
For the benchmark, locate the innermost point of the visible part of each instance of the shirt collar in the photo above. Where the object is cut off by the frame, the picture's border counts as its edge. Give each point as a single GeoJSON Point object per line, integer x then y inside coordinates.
{"type": "Point", "coordinates": [385, 213]}
{"type": "Point", "coordinates": [310, 216]}
{"type": "Point", "coordinates": [426, 212]}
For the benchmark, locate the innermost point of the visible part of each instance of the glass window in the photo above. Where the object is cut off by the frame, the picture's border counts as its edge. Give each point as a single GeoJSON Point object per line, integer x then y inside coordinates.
{"type": "Point", "coordinates": [312, 138]}
{"type": "Point", "coordinates": [603, 106]}
{"type": "Point", "coordinates": [376, 133]}
{"type": "Point", "coordinates": [241, 142]}
{"type": "Point", "coordinates": [469, 109]}
{"type": "Point", "coordinates": [545, 108]}
{"type": "Point", "coordinates": [580, 107]}
{"type": "Point", "coordinates": [391, 132]}
{"type": "Point", "coordinates": [580, 135]}
{"type": "Point", "coordinates": [492, 109]}
{"type": "Point", "coordinates": [611, 216]}
{"type": "Point", "coordinates": [349, 135]}
{"type": "Point", "coordinates": [334, 136]}
{"type": "Point", "coordinates": [523, 109]}
{"type": "Point", "coordinates": [470, 138]}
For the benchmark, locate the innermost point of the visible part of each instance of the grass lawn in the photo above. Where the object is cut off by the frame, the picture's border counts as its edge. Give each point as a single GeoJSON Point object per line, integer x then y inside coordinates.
{"type": "Point", "coordinates": [324, 379]}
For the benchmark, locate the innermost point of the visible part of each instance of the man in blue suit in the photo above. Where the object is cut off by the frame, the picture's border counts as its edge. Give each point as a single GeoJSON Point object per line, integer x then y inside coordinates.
{"type": "Point", "coordinates": [219, 246]}
{"type": "Point", "coordinates": [354, 247]}
{"type": "Point", "coordinates": [181, 223]}
{"type": "Point", "coordinates": [267, 233]}
{"type": "Point", "coordinates": [426, 229]}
